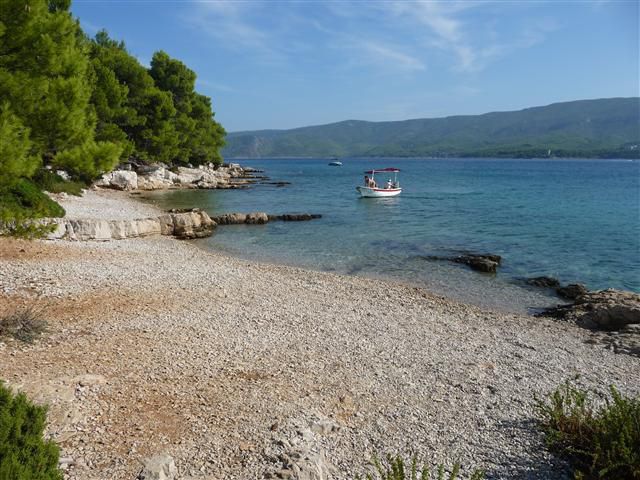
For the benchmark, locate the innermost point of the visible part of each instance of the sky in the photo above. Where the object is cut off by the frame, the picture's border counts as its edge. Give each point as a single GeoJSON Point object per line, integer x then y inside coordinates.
{"type": "Point", "coordinates": [286, 64]}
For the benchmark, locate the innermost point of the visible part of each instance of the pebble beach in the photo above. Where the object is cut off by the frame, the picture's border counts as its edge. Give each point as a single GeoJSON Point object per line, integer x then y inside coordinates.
{"type": "Point", "coordinates": [249, 370]}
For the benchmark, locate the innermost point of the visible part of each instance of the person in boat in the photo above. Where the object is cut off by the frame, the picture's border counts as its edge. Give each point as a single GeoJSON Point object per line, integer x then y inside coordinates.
{"type": "Point", "coordinates": [367, 181]}
{"type": "Point", "coordinates": [389, 184]}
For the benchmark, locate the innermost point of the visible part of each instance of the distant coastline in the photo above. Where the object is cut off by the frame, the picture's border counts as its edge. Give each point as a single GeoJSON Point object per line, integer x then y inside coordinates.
{"type": "Point", "coordinates": [603, 128]}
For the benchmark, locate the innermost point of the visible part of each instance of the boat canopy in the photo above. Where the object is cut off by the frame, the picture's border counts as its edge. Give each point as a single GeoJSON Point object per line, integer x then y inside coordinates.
{"type": "Point", "coordinates": [389, 169]}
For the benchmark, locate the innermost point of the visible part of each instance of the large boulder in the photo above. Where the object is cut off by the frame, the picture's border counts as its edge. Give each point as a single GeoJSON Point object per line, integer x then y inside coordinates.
{"type": "Point", "coordinates": [602, 310]}
{"type": "Point", "coordinates": [88, 230]}
{"type": "Point", "coordinates": [119, 179]}
{"type": "Point", "coordinates": [157, 178]}
{"type": "Point", "coordinates": [187, 225]}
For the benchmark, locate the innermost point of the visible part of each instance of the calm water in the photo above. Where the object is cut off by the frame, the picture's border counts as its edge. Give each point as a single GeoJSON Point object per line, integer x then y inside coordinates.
{"type": "Point", "coordinates": [576, 220]}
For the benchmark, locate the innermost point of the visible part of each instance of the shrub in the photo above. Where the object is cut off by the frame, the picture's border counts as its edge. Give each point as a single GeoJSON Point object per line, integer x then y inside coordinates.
{"type": "Point", "coordinates": [24, 454]}
{"type": "Point", "coordinates": [21, 202]}
{"type": "Point", "coordinates": [395, 468]}
{"type": "Point", "coordinates": [602, 443]}
{"type": "Point", "coordinates": [25, 324]}
{"type": "Point", "coordinates": [50, 181]}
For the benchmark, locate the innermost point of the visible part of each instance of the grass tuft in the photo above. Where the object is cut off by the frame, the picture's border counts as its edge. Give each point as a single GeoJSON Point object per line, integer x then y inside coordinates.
{"type": "Point", "coordinates": [599, 443]}
{"type": "Point", "coordinates": [395, 468]}
{"type": "Point", "coordinates": [25, 324]}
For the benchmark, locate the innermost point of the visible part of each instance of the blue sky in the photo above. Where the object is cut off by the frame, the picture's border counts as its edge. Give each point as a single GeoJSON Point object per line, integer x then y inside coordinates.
{"type": "Point", "coordinates": [285, 64]}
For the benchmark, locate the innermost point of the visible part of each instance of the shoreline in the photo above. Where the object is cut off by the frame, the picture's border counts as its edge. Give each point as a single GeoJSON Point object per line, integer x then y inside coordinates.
{"type": "Point", "coordinates": [236, 367]}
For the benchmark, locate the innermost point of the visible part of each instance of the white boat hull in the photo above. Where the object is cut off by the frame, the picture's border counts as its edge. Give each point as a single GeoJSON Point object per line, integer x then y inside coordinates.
{"type": "Point", "coordinates": [378, 192]}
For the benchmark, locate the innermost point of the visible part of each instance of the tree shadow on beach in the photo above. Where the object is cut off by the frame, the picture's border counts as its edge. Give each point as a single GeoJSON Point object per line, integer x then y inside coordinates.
{"type": "Point", "coordinates": [538, 464]}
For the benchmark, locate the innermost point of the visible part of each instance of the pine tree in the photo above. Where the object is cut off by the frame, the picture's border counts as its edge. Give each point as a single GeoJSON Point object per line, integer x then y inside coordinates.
{"type": "Point", "coordinates": [44, 72]}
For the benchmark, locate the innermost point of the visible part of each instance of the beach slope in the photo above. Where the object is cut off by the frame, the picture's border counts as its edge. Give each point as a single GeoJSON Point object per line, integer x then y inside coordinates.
{"type": "Point", "coordinates": [246, 370]}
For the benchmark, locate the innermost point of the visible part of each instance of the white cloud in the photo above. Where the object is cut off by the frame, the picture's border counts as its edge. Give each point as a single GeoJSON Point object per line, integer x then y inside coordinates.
{"type": "Point", "coordinates": [447, 30]}
{"type": "Point", "coordinates": [385, 55]}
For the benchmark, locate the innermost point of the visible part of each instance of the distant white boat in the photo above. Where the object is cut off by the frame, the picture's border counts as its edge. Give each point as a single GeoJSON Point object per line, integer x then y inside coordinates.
{"type": "Point", "coordinates": [371, 188]}
{"type": "Point", "coordinates": [335, 163]}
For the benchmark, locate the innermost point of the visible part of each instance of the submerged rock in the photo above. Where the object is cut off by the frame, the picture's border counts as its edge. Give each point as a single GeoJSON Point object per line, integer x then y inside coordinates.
{"type": "Point", "coordinates": [487, 263]}
{"type": "Point", "coordinates": [259, 218]}
{"type": "Point", "coordinates": [543, 282]}
{"type": "Point", "coordinates": [294, 217]}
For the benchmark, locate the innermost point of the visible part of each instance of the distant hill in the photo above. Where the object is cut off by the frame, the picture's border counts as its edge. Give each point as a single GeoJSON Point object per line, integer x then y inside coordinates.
{"type": "Point", "coordinates": [604, 128]}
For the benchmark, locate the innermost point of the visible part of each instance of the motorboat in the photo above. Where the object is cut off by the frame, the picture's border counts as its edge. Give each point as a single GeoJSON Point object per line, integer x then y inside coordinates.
{"type": "Point", "coordinates": [371, 189]}
{"type": "Point", "coordinates": [336, 163]}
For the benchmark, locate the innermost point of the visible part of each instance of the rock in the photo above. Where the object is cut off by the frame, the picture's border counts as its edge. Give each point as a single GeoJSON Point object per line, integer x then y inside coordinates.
{"type": "Point", "coordinates": [543, 282]}
{"type": "Point", "coordinates": [258, 218]}
{"type": "Point", "coordinates": [294, 217]}
{"type": "Point", "coordinates": [63, 174]}
{"type": "Point", "coordinates": [185, 225]}
{"type": "Point", "coordinates": [572, 291]}
{"type": "Point", "coordinates": [483, 263]}
{"type": "Point", "coordinates": [157, 178]}
{"type": "Point", "coordinates": [120, 180]}
{"type": "Point", "coordinates": [602, 310]}
{"type": "Point", "coordinates": [195, 224]}
{"type": "Point", "coordinates": [159, 467]}
{"type": "Point", "coordinates": [88, 230]}
{"type": "Point", "coordinates": [230, 219]}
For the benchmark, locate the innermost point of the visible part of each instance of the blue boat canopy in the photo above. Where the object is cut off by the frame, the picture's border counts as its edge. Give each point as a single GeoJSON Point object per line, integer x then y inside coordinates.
{"type": "Point", "coordinates": [388, 169]}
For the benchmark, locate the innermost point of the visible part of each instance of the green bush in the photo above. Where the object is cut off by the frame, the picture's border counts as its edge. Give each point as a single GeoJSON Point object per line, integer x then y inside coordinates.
{"type": "Point", "coordinates": [49, 181]}
{"type": "Point", "coordinates": [22, 202]}
{"type": "Point", "coordinates": [395, 468]}
{"type": "Point", "coordinates": [24, 454]}
{"type": "Point", "coordinates": [599, 443]}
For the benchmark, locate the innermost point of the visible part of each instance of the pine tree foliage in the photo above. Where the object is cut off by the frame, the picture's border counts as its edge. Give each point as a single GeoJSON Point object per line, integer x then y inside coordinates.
{"type": "Point", "coordinates": [24, 454]}
{"type": "Point", "coordinates": [81, 104]}
{"type": "Point", "coordinates": [16, 157]}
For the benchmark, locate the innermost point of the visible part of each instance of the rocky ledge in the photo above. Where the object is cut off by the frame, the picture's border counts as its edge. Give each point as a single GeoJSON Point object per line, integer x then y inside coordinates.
{"type": "Point", "coordinates": [159, 177]}
{"type": "Point", "coordinates": [259, 218]}
{"type": "Point", "coordinates": [613, 311]}
{"type": "Point", "coordinates": [190, 224]}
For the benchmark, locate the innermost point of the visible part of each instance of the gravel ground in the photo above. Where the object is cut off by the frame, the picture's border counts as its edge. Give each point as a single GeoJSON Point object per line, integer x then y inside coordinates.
{"type": "Point", "coordinates": [245, 370]}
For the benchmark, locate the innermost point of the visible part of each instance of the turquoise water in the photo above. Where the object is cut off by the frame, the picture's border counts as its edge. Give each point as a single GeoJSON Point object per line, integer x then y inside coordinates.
{"type": "Point", "coordinates": [576, 220]}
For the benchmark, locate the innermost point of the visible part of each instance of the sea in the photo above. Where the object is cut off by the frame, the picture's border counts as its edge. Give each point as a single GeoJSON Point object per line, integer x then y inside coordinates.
{"type": "Point", "coordinates": [574, 220]}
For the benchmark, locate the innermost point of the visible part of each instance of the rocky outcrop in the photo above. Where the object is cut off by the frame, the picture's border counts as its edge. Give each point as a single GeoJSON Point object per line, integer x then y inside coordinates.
{"type": "Point", "coordinates": [184, 225]}
{"type": "Point", "coordinates": [159, 177]}
{"type": "Point", "coordinates": [187, 225]}
{"type": "Point", "coordinates": [572, 291]}
{"type": "Point", "coordinates": [119, 180]}
{"type": "Point", "coordinates": [601, 310]}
